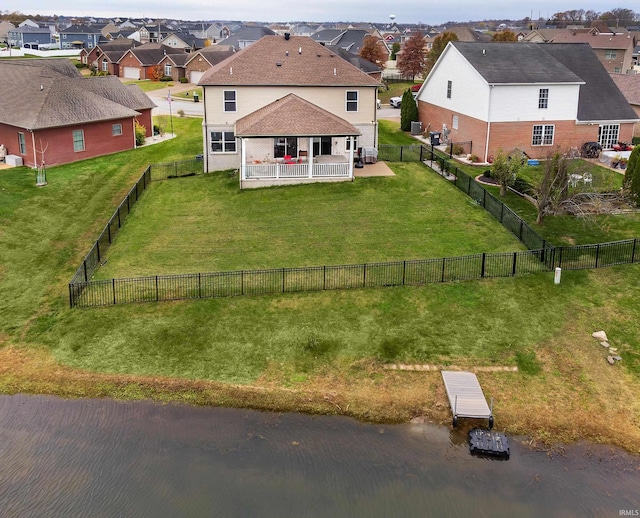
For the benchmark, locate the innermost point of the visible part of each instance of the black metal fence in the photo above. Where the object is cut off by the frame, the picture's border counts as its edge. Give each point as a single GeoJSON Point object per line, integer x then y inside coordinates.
{"type": "Point", "coordinates": [540, 257]}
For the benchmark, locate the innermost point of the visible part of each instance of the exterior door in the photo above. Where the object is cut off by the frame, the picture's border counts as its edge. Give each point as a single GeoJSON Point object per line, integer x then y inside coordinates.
{"type": "Point", "coordinates": [321, 146]}
{"type": "Point", "coordinates": [285, 146]}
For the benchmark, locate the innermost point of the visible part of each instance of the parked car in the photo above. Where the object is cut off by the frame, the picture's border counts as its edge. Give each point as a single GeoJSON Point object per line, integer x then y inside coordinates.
{"type": "Point", "coordinates": [395, 102]}
{"type": "Point", "coordinates": [417, 87]}
{"type": "Point", "coordinates": [378, 104]}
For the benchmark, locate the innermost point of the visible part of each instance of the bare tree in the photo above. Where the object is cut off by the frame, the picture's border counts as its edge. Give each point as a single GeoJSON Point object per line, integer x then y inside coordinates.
{"type": "Point", "coordinates": [554, 186]}
{"type": "Point", "coordinates": [372, 50]}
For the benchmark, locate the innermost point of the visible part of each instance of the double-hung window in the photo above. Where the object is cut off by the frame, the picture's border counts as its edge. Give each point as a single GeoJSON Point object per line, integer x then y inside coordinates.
{"type": "Point", "coordinates": [229, 101]}
{"type": "Point", "coordinates": [223, 142]}
{"type": "Point", "coordinates": [105, 65]}
{"type": "Point", "coordinates": [116, 130]}
{"type": "Point", "coordinates": [167, 70]}
{"type": "Point", "coordinates": [610, 54]}
{"type": "Point", "coordinates": [78, 140]}
{"type": "Point", "coordinates": [449, 87]}
{"type": "Point", "coordinates": [22, 144]}
{"type": "Point", "coordinates": [352, 100]}
{"type": "Point", "coordinates": [543, 98]}
{"type": "Point", "coordinates": [543, 135]}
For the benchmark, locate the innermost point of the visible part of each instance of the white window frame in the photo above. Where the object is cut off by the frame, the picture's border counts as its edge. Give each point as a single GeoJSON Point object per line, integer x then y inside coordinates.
{"type": "Point", "coordinates": [610, 54]}
{"type": "Point", "coordinates": [228, 104]}
{"type": "Point", "coordinates": [76, 141]}
{"type": "Point", "coordinates": [608, 135]}
{"type": "Point", "coordinates": [105, 65]}
{"type": "Point", "coordinates": [167, 69]}
{"type": "Point", "coordinates": [544, 136]}
{"type": "Point", "coordinates": [22, 143]}
{"type": "Point", "coordinates": [543, 98]}
{"type": "Point", "coordinates": [226, 141]}
{"type": "Point", "coordinates": [116, 130]}
{"type": "Point", "coordinates": [347, 146]}
{"type": "Point", "coordinates": [449, 88]}
{"type": "Point", "coordinates": [351, 105]}
{"type": "Point", "coordinates": [454, 122]}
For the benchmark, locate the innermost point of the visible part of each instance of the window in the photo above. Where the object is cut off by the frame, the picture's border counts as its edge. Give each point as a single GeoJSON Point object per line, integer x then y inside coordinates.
{"type": "Point", "coordinates": [285, 146]}
{"type": "Point", "coordinates": [352, 100]}
{"type": "Point", "coordinates": [543, 98]}
{"type": "Point", "coordinates": [229, 100]}
{"type": "Point", "coordinates": [116, 130]}
{"type": "Point", "coordinates": [321, 146]}
{"type": "Point", "coordinates": [22, 144]}
{"type": "Point", "coordinates": [617, 70]}
{"type": "Point", "coordinates": [608, 135]}
{"type": "Point", "coordinates": [78, 140]}
{"type": "Point", "coordinates": [355, 144]}
{"type": "Point", "coordinates": [223, 142]}
{"type": "Point", "coordinates": [167, 69]}
{"type": "Point", "coordinates": [610, 54]}
{"type": "Point", "coordinates": [454, 122]}
{"type": "Point", "coordinates": [542, 135]}
{"type": "Point", "coordinates": [449, 85]}
{"type": "Point", "coordinates": [105, 65]}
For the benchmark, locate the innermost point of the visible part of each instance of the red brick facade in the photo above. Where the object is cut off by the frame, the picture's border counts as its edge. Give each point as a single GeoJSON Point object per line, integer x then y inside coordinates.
{"type": "Point", "coordinates": [510, 135]}
{"type": "Point", "coordinates": [58, 142]}
{"type": "Point", "coordinates": [129, 60]}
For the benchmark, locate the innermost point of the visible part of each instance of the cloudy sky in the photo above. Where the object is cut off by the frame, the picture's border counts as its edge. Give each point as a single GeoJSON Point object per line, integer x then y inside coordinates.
{"type": "Point", "coordinates": [433, 12]}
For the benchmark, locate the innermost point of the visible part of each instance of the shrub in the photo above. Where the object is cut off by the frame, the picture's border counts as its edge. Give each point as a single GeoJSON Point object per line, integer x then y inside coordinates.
{"type": "Point", "coordinates": [166, 78]}
{"type": "Point", "coordinates": [457, 150]}
{"type": "Point", "coordinates": [487, 173]}
{"type": "Point", "coordinates": [141, 134]}
{"type": "Point", "coordinates": [474, 158]}
{"type": "Point", "coordinates": [184, 80]}
{"type": "Point", "coordinates": [180, 113]}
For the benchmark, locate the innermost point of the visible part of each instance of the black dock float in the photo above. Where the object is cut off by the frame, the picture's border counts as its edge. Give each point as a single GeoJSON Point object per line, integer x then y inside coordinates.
{"type": "Point", "coordinates": [489, 443]}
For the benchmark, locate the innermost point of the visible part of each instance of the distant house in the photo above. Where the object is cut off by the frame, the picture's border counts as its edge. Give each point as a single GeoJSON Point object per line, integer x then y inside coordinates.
{"type": "Point", "coordinates": [136, 63]}
{"type": "Point", "coordinates": [287, 110]}
{"type": "Point", "coordinates": [533, 97]}
{"type": "Point", "coordinates": [184, 40]}
{"type": "Point", "coordinates": [29, 37]}
{"type": "Point", "coordinates": [53, 115]}
{"type": "Point", "coordinates": [106, 56]}
{"type": "Point", "coordinates": [202, 60]}
{"type": "Point", "coordinates": [5, 27]}
{"type": "Point", "coordinates": [245, 36]}
{"type": "Point", "coordinates": [79, 36]}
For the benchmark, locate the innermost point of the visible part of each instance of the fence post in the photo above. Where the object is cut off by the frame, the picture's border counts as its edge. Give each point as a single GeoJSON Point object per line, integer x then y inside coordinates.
{"type": "Point", "coordinates": [513, 270]}
{"type": "Point", "coordinates": [283, 280]}
{"type": "Point", "coordinates": [364, 275]}
{"type": "Point", "coordinates": [484, 258]}
{"type": "Point", "coordinates": [242, 282]}
{"type": "Point", "coordinates": [324, 277]}
{"type": "Point", "coordinates": [501, 212]}
{"type": "Point", "coordinates": [98, 248]}
{"type": "Point", "coordinates": [199, 285]}
{"type": "Point", "coordinates": [119, 220]}
{"type": "Point", "coordinates": [421, 150]}
{"type": "Point", "coordinates": [633, 251]}
{"type": "Point", "coordinates": [484, 198]}
{"type": "Point", "coordinates": [109, 231]}
{"type": "Point", "coordinates": [404, 270]}
{"type": "Point", "coordinates": [520, 234]}
{"type": "Point", "coordinates": [443, 263]}
{"type": "Point", "coordinates": [401, 147]}
{"type": "Point", "coordinates": [113, 287]}
{"type": "Point", "coordinates": [70, 296]}
{"type": "Point", "coordinates": [560, 257]}
{"type": "Point", "coordinates": [86, 278]}
{"type": "Point", "coordinates": [157, 296]}
{"type": "Point", "coordinates": [597, 253]}
{"type": "Point", "coordinates": [450, 149]}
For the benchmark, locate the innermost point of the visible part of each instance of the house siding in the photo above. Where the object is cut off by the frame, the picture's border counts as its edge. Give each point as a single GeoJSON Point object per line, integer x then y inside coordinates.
{"type": "Point", "coordinates": [58, 142]}
{"type": "Point", "coordinates": [520, 103]}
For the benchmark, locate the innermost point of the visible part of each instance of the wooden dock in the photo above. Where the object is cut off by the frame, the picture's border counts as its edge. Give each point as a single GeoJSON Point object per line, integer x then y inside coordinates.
{"type": "Point", "coordinates": [466, 397]}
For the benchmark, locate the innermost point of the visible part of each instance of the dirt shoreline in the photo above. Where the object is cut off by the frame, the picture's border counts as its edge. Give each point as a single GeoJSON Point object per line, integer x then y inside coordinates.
{"type": "Point", "coordinates": [373, 395]}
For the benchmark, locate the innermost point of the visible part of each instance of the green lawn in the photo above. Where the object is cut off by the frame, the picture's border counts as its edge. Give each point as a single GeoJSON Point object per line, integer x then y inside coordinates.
{"type": "Point", "coordinates": [189, 94]}
{"type": "Point", "coordinates": [44, 234]}
{"type": "Point", "coordinates": [395, 90]}
{"type": "Point", "coordinates": [149, 86]}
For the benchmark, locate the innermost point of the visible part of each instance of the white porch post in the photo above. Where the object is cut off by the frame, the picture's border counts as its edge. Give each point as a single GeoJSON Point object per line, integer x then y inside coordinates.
{"type": "Point", "coordinates": [243, 160]}
{"type": "Point", "coordinates": [351, 143]}
{"type": "Point", "coordinates": [310, 157]}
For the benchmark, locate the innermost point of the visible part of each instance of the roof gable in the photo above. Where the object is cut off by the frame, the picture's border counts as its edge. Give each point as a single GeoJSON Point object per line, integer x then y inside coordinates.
{"type": "Point", "coordinates": [295, 117]}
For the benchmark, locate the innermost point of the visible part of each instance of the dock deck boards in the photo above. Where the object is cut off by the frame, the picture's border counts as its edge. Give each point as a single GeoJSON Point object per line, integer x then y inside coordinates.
{"type": "Point", "coordinates": [465, 395]}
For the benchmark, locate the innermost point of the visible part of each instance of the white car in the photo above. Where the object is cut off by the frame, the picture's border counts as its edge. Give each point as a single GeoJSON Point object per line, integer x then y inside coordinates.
{"type": "Point", "coordinates": [395, 102]}
{"type": "Point", "coordinates": [378, 104]}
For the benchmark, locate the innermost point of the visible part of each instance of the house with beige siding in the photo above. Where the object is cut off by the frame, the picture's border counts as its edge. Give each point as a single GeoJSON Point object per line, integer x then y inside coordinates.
{"type": "Point", "coordinates": [534, 97]}
{"type": "Point", "coordinates": [287, 110]}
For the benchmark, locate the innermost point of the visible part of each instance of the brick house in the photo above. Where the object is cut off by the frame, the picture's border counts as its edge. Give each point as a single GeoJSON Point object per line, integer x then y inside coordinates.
{"type": "Point", "coordinates": [534, 97]}
{"type": "Point", "coordinates": [106, 56]}
{"type": "Point", "coordinates": [629, 85]}
{"type": "Point", "coordinates": [52, 114]}
{"type": "Point", "coordinates": [136, 63]}
{"type": "Point", "coordinates": [202, 60]}
{"type": "Point", "coordinates": [287, 110]}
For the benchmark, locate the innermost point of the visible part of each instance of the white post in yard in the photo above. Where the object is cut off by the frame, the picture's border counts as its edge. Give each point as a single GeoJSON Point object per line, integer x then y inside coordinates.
{"type": "Point", "coordinates": [243, 162]}
{"type": "Point", "coordinates": [310, 157]}
{"type": "Point", "coordinates": [556, 279]}
{"type": "Point", "coordinates": [351, 144]}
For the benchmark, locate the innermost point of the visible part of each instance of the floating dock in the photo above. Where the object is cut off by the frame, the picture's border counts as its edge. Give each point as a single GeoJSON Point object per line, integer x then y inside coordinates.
{"type": "Point", "coordinates": [486, 442]}
{"type": "Point", "coordinates": [466, 397]}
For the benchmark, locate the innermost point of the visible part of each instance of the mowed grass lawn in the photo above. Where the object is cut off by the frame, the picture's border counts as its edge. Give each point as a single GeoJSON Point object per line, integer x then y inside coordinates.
{"type": "Point", "coordinates": [201, 224]}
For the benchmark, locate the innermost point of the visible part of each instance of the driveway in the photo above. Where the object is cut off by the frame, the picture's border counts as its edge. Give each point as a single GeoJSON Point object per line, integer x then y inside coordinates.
{"type": "Point", "coordinates": [190, 108]}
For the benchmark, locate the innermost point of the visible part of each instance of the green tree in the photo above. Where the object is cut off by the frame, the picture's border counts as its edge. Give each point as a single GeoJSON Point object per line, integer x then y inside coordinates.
{"type": "Point", "coordinates": [632, 174]}
{"type": "Point", "coordinates": [408, 111]}
{"type": "Point", "coordinates": [395, 48]}
{"type": "Point", "coordinates": [505, 169]}
{"type": "Point", "coordinates": [439, 44]}
{"type": "Point", "coordinates": [553, 189]}
{"type": "Point", "coordinates": [412, 59]}
{"type": "Point", "coordinates": [504, 36]}
{"type": "Point", "coordinates": [372, 50]}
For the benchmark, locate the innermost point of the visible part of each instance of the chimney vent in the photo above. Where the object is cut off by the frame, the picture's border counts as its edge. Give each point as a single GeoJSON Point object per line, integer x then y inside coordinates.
{"type": "Point", "coordinates": [299, 50]}
{"type": "Point", "coordinates": [278, 64]}
{"type": "Point", "coordinates": [287, 36]}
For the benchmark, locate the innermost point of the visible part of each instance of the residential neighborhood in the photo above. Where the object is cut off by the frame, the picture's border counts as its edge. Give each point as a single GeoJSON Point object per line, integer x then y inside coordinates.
{"type": "Point", "coordinates": [274, 260]}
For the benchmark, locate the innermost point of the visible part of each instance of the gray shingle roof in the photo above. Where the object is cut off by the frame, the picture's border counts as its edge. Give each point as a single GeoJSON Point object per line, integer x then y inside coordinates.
{"type": "Point", "coordinates": [38, 97]}
{"type": "Point", "coordinates": [298, 61]}
{"type": "Point", "coordinates": [295, 117]}
{"type": "Point", "coordinates": [629, 85]}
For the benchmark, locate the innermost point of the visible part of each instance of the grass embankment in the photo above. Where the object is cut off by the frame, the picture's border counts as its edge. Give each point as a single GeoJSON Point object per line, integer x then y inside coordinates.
{"type": "Point", "coordinates": [149, 86]}
{"type": "Point", "coordinates": [319, 352]}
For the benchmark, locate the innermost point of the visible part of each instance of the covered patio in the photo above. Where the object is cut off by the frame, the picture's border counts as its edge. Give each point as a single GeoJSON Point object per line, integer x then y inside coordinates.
{"type": "Point", "coordinates": [294, 141]}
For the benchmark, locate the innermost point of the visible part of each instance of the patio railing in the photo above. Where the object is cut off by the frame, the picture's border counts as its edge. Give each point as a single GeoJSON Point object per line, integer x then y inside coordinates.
{"type": "Point", "coordinates": [277, 171]}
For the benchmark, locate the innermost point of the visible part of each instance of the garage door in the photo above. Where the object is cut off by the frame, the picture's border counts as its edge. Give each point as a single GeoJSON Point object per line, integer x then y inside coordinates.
{"type": "Point", "coordinates": [131, 73]}
{"type": "Point", "coordinates": [194, 77]}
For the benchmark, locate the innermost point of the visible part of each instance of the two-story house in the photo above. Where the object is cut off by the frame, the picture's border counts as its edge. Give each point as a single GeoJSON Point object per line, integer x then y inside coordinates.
{"type": "Point", "coordinates": [80, 36]}
{"type": "Point", "coordinates": [287, 110]}
{"type": "Point", "coordinates": [29, 37]}
{"type": "Point", "coordinates": [533, 97]}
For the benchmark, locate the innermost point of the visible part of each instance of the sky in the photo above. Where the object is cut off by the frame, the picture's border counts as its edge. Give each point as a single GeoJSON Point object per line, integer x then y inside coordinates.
{"type": "Point", "coordinates": [433, 12]}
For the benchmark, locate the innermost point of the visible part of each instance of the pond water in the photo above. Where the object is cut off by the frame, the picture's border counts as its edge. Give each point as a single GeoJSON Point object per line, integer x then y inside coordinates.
{"type": "Point", "coordinates": [104, 458]}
